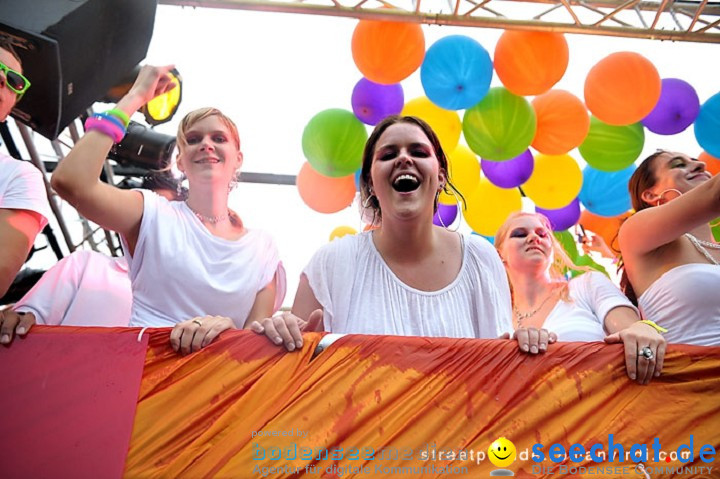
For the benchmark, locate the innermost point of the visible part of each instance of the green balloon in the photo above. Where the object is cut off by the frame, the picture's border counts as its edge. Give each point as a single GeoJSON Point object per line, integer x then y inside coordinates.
{"type": "Point", "coordinates": [612, 148]}
{"type": "Point", "coordinates": [501, 126]}
{"type": "Point", "coordinates": [333, 142]}
{"type": "Point", "coordinates": [567, 241]}
{"type": "Point", "coordinates": [715, 228]}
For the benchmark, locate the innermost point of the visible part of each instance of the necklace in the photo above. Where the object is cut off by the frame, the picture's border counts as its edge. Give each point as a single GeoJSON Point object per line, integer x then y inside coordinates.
{"type": "Point", "coordinates": [210, 219]}
{"type": "Point", "coordinates": [523, 316]}
{"type": "Point", "coordinates": [700, 246]}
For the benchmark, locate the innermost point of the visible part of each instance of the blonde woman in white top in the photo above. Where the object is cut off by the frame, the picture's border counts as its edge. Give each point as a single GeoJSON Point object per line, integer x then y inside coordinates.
{"type": "Point", "coordinates": [193, 264]}
{"type": "Point", "coordinates": [547, 307]}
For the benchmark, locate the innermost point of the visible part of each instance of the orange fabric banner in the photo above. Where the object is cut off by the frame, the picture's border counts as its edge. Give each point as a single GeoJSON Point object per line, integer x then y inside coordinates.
{"type": "Point", "coordinates": [375, 406]}
{"type": "Point", "coordinates": [366, 407]}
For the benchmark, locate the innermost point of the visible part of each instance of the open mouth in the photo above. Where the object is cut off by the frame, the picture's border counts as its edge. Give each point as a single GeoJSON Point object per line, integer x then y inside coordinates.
{"type": "Point", "coordinates": [406, 183]}
{"type": "Point", "coordinates": [211, 161]}
{"type": "Point", "coordinates": [705, 175]}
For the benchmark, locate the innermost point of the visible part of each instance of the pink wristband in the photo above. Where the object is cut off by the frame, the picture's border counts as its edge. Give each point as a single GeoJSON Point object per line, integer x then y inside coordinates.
{"type": "Point", "coordinates": [105, 127]}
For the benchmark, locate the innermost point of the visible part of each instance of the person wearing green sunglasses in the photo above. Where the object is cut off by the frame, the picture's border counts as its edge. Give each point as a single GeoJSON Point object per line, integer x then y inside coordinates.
{"type": "Point", "coordinates": [24, 207]}
{"type": "Point", "coordinates": [12, 82]}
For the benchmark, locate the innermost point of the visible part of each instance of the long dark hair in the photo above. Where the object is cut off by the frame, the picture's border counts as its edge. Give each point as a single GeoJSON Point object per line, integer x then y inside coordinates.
{"type": "Point", "coordinates": [370, 199]}
{"type": "Point", "coordinates": [641, 180]}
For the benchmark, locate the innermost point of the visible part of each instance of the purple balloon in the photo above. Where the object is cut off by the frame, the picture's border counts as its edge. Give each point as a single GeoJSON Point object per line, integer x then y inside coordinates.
{"type": "Point", "coordinates": [448, 213]}
{"type": "Point", "coordinates": [676, 109]}
{"type": "Point", "coordinates": [564, 217]}
{"type": "Point", "coordinates": [509, 173]}
{"type": "Point", "coordinates": [371, 102]}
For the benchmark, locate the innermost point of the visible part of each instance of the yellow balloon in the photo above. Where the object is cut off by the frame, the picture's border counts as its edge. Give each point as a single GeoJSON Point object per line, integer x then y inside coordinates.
{"type": "Point", "coordinates": [341, 231]}
{"type": "Point", "coordinates": [489, 206]}
{"type": "Point", "coordinates": [445, 123]}
{"type": "Point", "coordinates": [555, 181]}
{"type": "Point", "coordinates": [464, 173]}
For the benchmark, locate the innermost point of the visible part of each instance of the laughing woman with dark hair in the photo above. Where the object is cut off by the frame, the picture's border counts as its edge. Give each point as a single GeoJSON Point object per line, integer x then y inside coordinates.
{"type": "Point", "coordinates": [407, 277]}
{"type": "Point", "coordinates": [672, 263]}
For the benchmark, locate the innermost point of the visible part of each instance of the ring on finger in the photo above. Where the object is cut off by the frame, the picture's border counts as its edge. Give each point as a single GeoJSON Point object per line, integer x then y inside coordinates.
{"type": "Point", "coordinates": [198, 322]}
{"type": "Point", "coordinates": [646, 353]}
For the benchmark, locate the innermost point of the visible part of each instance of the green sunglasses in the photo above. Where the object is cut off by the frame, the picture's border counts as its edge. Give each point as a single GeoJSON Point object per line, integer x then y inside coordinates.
{"type": "Point", "coordinates": [14, 80]}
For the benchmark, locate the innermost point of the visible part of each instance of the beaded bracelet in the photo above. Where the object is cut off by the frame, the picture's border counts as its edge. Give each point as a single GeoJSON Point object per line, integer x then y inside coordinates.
{"type": "Point", "coordinates": [654, 325]}
{"type": "Point", "coordinates": [120, 115]}
{"type": "Point", "coordinates": [106, 127]}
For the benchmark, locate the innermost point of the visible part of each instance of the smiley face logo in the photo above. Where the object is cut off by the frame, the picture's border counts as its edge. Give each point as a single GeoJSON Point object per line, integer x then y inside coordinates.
{"type": "Point", "coordinates": [502, 452]}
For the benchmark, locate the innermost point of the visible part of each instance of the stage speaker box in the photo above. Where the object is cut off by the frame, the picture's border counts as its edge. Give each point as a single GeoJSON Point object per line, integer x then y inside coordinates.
{"type": "Point", "coordinates": [73, 52]}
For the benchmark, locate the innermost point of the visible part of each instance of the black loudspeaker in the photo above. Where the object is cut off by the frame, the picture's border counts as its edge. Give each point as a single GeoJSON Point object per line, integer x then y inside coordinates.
{"type": "Point", "coordinates": [73, 52]}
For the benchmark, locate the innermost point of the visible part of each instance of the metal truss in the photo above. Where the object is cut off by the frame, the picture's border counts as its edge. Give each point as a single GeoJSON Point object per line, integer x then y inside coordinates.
{"type": "Point", "coordinates": [677, 20]}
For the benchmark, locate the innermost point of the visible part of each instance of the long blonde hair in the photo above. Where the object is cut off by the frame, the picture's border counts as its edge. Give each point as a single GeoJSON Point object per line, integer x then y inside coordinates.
{"type": "Point", "coordinates": [561, 261]}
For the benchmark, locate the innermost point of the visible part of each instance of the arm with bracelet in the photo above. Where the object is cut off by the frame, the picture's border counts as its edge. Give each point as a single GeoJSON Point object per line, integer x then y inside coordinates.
{"type": "Point", "coordinates": [77, 178]}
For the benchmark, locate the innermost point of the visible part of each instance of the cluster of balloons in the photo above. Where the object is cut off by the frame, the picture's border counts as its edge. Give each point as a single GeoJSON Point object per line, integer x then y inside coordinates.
{"type": "Point", "coordinates": [514, 146]}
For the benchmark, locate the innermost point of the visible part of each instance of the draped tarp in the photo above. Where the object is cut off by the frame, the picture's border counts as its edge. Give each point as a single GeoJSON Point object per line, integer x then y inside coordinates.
{"type": "Point", "coordinates": [376, 406]}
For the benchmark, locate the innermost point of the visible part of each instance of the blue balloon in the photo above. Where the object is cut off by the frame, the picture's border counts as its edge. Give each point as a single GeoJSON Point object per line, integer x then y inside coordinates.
{"type": "Point", "coordinates": [357, 179]}
{"type": "Point", "coordinates": [707, 126]}
{"type": "Point", "coordinates": [606, 194]}
{"type": "Point", "coordinates": [456, 72]}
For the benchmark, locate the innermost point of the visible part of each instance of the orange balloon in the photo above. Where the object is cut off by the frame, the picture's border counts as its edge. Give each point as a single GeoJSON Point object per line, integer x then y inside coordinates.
{"type": "Point", "coordinates": [604, 226]}
{"type": "Point", "coordinates": [387, 52]}
{"type": "Point", "coordinates": [622, 88]}
{"type": "Point", "coordinates": [530, 63]}
{"type": "Point", "coordinates": [562, 122]}
{"type": "Point", "coordinates": [712, 164]}
{"type": "Point", "coordinates": [323, 193]}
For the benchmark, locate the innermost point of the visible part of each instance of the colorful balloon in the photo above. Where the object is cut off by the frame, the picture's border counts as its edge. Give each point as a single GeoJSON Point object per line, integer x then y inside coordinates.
{"type": "Point", "coordinates": [562, 122]}
{"type": "Point", "coordinates": [333, 142]}
{"type": "Point", "coordinates": [387, 52]}
{"type": "Point", "coordinates": [510, 173]}
{"type": "Point", "coordinates": [445, 123]}
{"type": "Point", "coordinates": [622, 88]}
{"type": "Point", "coordinates": [676, 109]}
{"type": "Point", "coordinates": [341, 231]}
{"type": "Point", "coordinates": [456, 72]}
{"type": "Point", "coordinates": [606, 194]}
{"type": "Point", "coordinates": [325, 194]}
{"type": "Point", "coordinates": [562, 218]}
{"type": "Point", "coordinates": [371, 102]}
{"type": "Point", "coordinates": [501, 126]}
{"type": "Point", "coordinates": [489, 206]}
{"type": "Point", "coordinates": [707, 126]}
{"type": "Point", "coordinates": [556, 180]}
{"type": "Point", "coordinates": [464, 173]}
{"type": "Point", "coordinates": [612, 148]}
{"type": "Point", "coordinates": [445, 215]}
{"type": "Point", "coordinates": [712, 164]}
{"type": "Point", "coordinates": [530, 63]}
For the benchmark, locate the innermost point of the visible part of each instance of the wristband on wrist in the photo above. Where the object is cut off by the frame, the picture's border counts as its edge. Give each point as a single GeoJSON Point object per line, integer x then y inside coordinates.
{"type": "Point", "coordinates": [106, 127]}
{"type": "Point", "coordinates": [112, 119]}
{"type": "Point", "coordinates": [654, 325]}
{"type": "Point", "coordinates": [120, 115]}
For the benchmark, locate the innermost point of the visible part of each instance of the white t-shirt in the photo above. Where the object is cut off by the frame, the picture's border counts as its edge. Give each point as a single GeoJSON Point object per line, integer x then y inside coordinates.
{"type": "Point", "coordinates": [361, 295]}
{"type": "Point", "coordinates": [179, 270]}
{"type": "Point", "coordinates": [686, 301]}
{"type": "Point", "coordinates": [593, 296]}
{"type": "Point", "coordinates": [22, 188]}
{"type": "Point", "coordinates": [83, 289]}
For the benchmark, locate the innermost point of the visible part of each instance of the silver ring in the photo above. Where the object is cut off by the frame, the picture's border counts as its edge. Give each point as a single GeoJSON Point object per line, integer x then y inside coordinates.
{"type": "Point", "coordinates": [646, 353]}
{"type": "Point", "coordinates": [198, 322]}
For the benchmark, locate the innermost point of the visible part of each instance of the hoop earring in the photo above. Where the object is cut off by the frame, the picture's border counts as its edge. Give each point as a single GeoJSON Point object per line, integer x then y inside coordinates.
{"type": "Point", "coordinates": [457, 201]}
{"type": "Point", "coordinates": [663, 193]}
{"type": "Point", "coordinates": [366, 203]}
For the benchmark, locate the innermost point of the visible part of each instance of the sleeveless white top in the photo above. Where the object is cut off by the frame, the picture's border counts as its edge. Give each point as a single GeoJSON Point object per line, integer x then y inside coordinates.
{"type": "Point", "coordinates": [179, 270]}
{"type": "Point", "coordinates": [686, 301]}
{"type": "Point", "coordinates": [361, 295]}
